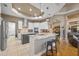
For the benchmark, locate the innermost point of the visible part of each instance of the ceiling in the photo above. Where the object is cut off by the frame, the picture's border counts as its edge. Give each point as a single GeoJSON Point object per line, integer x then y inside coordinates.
{"type": "Point", "coordinates": [42, 11]}
{"type": "Point", "coordinates": [69, 6]}
{"type": "Point", "coordinates": [49, 8]}
{"type": "Point", "coordinates": [68, 9]}
{"type": "Point", "coordinates": [27, 9]}
{"type": "Point", "coordinates": [37, 11]}
{"type": "Point", "coordinates": [73, 16]}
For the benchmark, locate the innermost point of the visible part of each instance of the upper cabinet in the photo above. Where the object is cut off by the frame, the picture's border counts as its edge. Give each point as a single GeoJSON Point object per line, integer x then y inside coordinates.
{"type": "Point", "coordinates": [43, 25]}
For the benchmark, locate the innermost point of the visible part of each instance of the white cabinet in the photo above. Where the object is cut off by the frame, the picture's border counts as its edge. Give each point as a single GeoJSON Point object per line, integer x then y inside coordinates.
{"type": "Point", "coordinates": [43, 25]}
{"type": "Point", "coordinates": [30, 25]}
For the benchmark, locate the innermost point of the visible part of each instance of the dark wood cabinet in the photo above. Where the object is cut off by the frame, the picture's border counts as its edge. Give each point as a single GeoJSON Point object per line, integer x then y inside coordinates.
{"type": "Point", "coordinates": [25, 38]}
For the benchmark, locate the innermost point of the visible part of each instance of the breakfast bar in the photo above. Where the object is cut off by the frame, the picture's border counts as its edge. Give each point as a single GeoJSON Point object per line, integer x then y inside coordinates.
{"type": "Point", "coordinates": [38, 43]}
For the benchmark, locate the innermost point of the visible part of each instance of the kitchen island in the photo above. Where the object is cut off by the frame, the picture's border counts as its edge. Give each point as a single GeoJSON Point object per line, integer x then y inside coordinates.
{"type": "Point", "coordinates": [38, 43]}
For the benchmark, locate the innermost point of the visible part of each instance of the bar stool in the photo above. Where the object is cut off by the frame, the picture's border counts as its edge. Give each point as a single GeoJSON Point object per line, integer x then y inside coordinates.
{"type": "Point", "coordinates": [78, 46]}
{"type": "Point", "coordinates": [50, 43]}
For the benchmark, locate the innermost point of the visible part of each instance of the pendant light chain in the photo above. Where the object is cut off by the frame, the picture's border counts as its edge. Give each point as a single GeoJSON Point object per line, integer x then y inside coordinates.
{"type": "Point", "coordinates": [40, 8]}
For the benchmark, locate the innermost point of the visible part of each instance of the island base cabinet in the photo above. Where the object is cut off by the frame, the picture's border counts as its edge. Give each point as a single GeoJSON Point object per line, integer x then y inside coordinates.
{"type": "Point", "coordinates": [25, 39]}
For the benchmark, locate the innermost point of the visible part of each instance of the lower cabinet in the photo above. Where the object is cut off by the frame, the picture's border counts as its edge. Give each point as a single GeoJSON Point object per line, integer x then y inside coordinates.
{"type": "Point", "coordinates": [25, 39]}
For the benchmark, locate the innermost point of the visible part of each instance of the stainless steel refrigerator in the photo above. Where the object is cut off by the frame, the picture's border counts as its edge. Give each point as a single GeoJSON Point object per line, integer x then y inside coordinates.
{"type": "Point", "coordinates": [0, 33]}
{"type": "Point", "coordinates": [3, 37]}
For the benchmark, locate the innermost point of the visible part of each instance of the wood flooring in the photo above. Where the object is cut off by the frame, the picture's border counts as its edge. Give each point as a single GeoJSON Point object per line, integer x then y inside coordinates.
{"type": "Point", "coordinates": [64, 49]}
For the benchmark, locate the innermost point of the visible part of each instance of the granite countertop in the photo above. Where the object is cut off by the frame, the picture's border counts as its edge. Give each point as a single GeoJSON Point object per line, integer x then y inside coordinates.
{"type": "Point", "coordinates": [28, 33]}
{"type": "Point", "coordinates": [42, 36]}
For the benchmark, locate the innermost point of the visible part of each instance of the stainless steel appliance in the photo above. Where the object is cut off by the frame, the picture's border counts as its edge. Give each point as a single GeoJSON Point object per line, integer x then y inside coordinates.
{"type": "Point", "coordinates": [0, 33]}
{"type": "Point", "coordinates": [3, 40]}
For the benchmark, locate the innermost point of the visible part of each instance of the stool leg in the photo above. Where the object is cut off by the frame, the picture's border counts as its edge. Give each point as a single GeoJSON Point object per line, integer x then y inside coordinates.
{"type": "Point", "coordinates": [47, 50]}
{"type": "Point", "coordinates": [52, 49]}
{"type": "Point", "coordinates": [56, 47]}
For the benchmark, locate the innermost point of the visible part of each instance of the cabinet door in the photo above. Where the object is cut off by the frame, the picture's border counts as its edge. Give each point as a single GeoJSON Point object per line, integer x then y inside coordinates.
{"type": "Point", "coordinates": [25, 39]}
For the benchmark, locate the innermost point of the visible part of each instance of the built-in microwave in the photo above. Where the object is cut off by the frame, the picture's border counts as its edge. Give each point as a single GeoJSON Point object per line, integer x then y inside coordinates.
{"type": "Point", "coordinates": [36, 29]}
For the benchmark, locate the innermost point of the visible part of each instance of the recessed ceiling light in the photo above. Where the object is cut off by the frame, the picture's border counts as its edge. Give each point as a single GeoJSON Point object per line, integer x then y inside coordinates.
{"type": "Point", "coordinates": [41, 10]}
{"type": "Point", "coordinates": [19, 8]}
{"type": "Point", "coordinates": [30, 9]}
{"type": "Point", "coordinates": [40, 16]}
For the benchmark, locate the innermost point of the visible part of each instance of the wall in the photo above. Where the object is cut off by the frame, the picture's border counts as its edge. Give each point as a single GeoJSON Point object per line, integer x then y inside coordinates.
{"type": "Point", "coordinates": [72, 18]}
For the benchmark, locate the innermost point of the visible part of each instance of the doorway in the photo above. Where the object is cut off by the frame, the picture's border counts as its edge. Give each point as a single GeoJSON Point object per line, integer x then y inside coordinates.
{"type": "Point", "coordinates": [11, 29]}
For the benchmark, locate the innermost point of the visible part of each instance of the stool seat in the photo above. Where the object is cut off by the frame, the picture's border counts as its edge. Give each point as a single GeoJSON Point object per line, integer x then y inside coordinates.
{"type": "Point", "coordinates": [49, 42]}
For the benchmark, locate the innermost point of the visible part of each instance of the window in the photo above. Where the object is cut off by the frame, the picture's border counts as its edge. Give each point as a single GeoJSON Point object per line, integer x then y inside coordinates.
{"type": "Point", "coordinates": [20, 24]}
